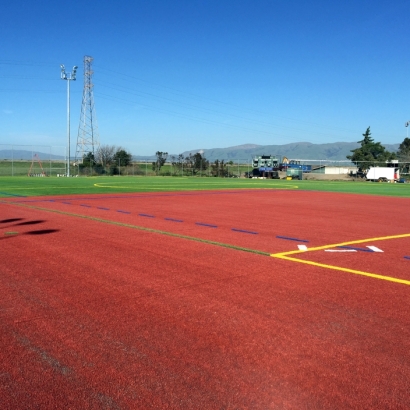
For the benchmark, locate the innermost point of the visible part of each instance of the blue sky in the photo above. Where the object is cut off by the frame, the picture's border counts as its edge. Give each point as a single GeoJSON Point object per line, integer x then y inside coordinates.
{"type": "Point", "coordinates": [184, 75]}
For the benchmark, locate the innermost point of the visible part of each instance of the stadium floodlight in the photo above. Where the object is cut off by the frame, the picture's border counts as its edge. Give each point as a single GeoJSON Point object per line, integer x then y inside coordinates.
{"type": "Point", "coordinates": [68, 77]}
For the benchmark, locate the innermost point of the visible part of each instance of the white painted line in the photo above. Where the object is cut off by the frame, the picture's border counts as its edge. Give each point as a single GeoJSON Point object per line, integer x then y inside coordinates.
{"type": "Point", "coordinates": [374, 248]}
{"type": "Point", "coordinates": [340, 250]}
{"type": "Point", "coordinates": [302, 247]}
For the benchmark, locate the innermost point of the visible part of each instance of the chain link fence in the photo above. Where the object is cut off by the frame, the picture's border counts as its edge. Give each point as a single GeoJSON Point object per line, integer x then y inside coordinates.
{"type": "Point", "coordinates": [41, 161]}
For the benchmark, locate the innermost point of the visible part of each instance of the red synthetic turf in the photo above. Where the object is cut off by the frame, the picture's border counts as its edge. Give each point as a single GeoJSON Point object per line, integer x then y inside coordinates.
{"type": "Point", "coordinates": [101, 316]}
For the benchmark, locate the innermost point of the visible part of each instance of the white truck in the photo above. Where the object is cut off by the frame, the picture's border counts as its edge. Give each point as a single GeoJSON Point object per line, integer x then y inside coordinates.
{"type": "Point", "coordinates": [383, 174]}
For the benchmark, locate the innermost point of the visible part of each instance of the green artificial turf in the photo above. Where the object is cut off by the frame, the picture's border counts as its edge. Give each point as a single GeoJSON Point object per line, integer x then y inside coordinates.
{"type": "Point", "coordinates": [39, 186]}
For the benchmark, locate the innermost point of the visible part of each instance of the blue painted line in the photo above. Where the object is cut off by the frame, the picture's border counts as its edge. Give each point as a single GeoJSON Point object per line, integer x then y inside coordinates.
{"type": "Point", "coordinates": [291, 239]}
{"type": "Point", "coordinates": [356, 249]}
{"type": "Point", "coordinates": [87, 206]}
{"type": "Point", "coordinates": [173, 220]}
{"type": "Point", "coordinates": [407, 257]}
{"type": "Point", "coordinates": [123, 212]}
{"type": "Point", "coordinates": [105, 209]}
{"type": "Point", "coordinates": [208, 225]}
{"type": "Point", "coordinates": [242, 230]}
{"type": "Point", "coordinates": [147, 216]}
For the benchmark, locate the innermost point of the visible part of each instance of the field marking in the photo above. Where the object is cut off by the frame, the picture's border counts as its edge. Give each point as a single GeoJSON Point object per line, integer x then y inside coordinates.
{"type": "Point", "coordinates": [375, 249]}
{"type": "Point", "coordinates": [339, 268]}
{"type": "Point", "coordinates": [336, 245]}
{"type": "Point", "coordinates": [205, 185]}
{"type": "Point", "coordinates": [285, 256]}
{"type": "Point", "coordinates": [142, 228]}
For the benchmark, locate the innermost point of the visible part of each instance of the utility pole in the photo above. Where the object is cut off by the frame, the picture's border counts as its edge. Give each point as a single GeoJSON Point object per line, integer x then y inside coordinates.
{"type": "Point", "coordinates": [69, 77]}
{"type": "Point", "coordinates": [88, 138]}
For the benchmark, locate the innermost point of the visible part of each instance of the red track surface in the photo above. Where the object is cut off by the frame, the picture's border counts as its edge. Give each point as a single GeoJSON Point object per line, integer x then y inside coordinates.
{"type": "Point", "coordinates": [95, 314]}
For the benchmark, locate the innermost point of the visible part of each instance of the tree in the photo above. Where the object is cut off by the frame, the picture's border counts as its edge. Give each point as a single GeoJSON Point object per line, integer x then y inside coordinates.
{"type": "Point", "coordinates": [369, 153]}
{"type": "Point", "coordinates": [199, 163]}
{"type": "Point", "coordinates": [105, 154]}
{"type": "Point", "coordinates": [90, 165]}
{"type": "Point", "coordinates": [122, 157]}
{"type": "Point", "coordinates": [219, 169]}
{"type": "Point", "coordinates": [177, 164]}
{"type": "Point", "coordinates": [88, 160]}
{"type": "Point", "coordinates": [160, 161]}
{"type": "Point", "coordinates": [403, 155]}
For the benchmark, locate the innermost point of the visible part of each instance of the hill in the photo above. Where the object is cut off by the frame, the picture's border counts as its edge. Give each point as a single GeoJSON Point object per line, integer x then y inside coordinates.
{"type": "Point", "coordinates": [20, 154]}
{"type": "Point", "coordinates": [336, 151]}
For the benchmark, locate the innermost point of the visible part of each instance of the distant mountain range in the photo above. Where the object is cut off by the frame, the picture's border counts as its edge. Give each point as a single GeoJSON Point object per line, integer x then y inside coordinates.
{"type": "Point", "coordinates": [336, 151]}
{"type": "Point", "coordinates": [20, 154]}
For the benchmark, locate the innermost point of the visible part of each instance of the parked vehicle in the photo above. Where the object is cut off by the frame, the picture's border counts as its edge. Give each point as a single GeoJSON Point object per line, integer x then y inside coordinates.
{"type": "Point", "coordinates": [383, 174]}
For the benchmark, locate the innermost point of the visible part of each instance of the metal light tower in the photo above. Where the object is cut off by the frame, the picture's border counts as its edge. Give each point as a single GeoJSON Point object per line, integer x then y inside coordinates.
{"type": "Point", "coordinates": [68, 77]}
{"type": "Point", "coordinates": [88, 138]}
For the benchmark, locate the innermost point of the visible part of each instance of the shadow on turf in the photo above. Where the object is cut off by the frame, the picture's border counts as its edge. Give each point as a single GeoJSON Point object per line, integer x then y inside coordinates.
{"type": "Point", "coordinates": [29, 223]}
{"type": "Point", "coordinates": [39, 232]}
{"type": "Point", "coordinates": [42, 232]}
{"type": "Point", "coordinates": [5, 221]}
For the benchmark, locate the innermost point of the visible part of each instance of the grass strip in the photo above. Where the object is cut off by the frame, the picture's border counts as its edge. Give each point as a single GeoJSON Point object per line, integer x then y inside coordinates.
{"type": "Point", "coordinates": [142, 228]}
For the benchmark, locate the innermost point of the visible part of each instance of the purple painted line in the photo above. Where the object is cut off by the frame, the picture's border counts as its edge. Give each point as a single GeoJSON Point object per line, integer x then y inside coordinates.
{"type": "Point", "coordinates": [147, 216]}
{"type": "Point", "coordinates": [356, 249]}
{"type": "Point", "coordinates": [208, 225]}
{"type": "Point", "coordinates": [68, 203]}
{"type": "Point", "coordinates": [105, 209]}
{"type": "Point", "coordinates": [173, 220]}
{"type": "Point", "coordinates": [292, 239]}
{"type": "Point", "coordinates": [87, 206]}
{"type": "Point", "coordinates": [243, 231]}
{"type": "Point", "coordinates": [123, 212]}
{"type": "Point", "coordinates": [407, 257]}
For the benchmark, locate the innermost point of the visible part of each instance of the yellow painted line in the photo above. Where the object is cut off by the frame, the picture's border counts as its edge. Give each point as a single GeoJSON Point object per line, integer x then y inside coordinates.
{"type": "Point", "coordinates": [339, 268]}
{"type": "Point", "coordinates": [200, 187]}
{"type": "Point", "coordinates": [335, 245]}
{"type": "Point", "coordinates": [284, 255]}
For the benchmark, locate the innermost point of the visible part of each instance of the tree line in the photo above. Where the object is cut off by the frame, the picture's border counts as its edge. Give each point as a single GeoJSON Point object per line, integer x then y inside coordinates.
{"type": "Point", "coordinates": [370, 153]}
{"type": "Point", "coordinates": [192, 164]}
{"type": "Point", "coordinates": [107, 159]}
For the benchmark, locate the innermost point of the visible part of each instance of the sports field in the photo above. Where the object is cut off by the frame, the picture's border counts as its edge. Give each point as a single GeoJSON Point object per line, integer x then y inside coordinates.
{"type": "Point", "coordinates": [204, 293]}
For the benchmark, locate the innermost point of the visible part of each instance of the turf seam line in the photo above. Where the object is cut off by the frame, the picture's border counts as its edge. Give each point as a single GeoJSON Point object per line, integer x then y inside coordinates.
{"type": "Point", "coordinates": [16, 195]}
{"type": "Point", "coordinates": [292, 239]}
{"type": "Point", "coordinates": [141, 228]}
